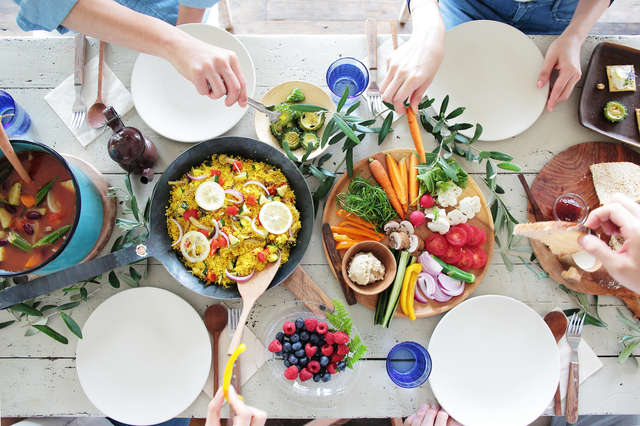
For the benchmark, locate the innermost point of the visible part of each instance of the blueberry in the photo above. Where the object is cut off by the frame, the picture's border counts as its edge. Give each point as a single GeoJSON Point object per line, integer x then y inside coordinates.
{"type": "Point", "coordinates": [324, 361]}
{"type": "Point", "coordinates": [295, 337]}
{"type": "Point", "coordinates": [287, 364]}
{"type": "Point", "coordinates": [326, 377]}
{"type": "Point", "coordinates": [278, 353]}
{"type": "Point", "coordinates": [296, 346]}
{"type": "Point", "coordinates": [293, 359]}
{"type": "Point", "coordinates": [299, 353]}
{"type": "Point", "coordinates": [303, 361]}
{"type": "Point", "coordinates": [280, 336]}
{"type": "Point", "coordinates": [341, 366]}
{"type": "Point", "coordinates": [304, 336]}
{"type": "Point", "coordinates": [321, 343]}
{"type": "Point", "coordinates": [299, 323]}
{"type": "Point", "coordinates": [286, 347]}
{"type": "Point", "coordinates": [299, 367]}
{"type": "Point", "coordinates": [314, 338]}
{"type": "Point", "coordinates": [285, 354]}
{"type": "Point", "coordinates": [317, 377]}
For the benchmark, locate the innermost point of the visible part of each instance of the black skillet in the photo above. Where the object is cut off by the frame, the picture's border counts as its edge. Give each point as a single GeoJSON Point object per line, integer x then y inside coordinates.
{"type": "Point", "coordinates": [158, 244]}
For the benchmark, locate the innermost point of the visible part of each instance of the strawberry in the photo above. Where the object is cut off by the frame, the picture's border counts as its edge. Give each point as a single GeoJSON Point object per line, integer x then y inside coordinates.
{"type": "Point", "coordinates": [341, 337]}
{"type": "Point", "coordinates": [327, 350]}
{"type": "Point", "coordinates": [329, 337]}
{"type": "Point", "coordinates": [313, 366]}
{"type": "Point", "coordinates": [310, 324]}
{"type": "Point", "coordinates": [275, 346]}
{"type": "Point", "coordinates": [291, 373]}
{"type": "Point", "coordinates": [305, 374]}
{"type": "Point", "coordinates": [322, 328]}
{"type": "Point", "coordinates": [343, 349]}
{"type": "Point", "coordinates": [310, 350]}
{"type": "Point", "coordinates": [288, 327]}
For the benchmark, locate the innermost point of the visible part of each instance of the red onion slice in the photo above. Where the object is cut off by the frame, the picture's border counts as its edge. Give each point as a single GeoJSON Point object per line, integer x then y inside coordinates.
{"type": "Point", "coordinates": [237, 278]}
{"type": "Point", "coordinates": [192, 177]}
{"type": "Point", "coordinates": [450, 286]}
{"type": "Point", "coordinates": [429, 264]}
{"type": "Point", "coordinates": [255, 228]}
{"type": "Point", "coordinates": [180, 229]}
{"type": "Point", "coordinates": [440, 296]}
{"type": "Point", "coordinates": [427, 284]}
{"type": "Point", "coordinates": [255, 182]}
{"type": "Point", "coordinates": [418, 296]}
{"type": "Point", "coordinates": [237, 194]}
{"type": "Point", "coordinates": [215, 225]}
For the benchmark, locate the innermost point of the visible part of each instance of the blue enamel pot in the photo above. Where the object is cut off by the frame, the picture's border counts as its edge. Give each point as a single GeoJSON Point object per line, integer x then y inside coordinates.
{"type": "Point", "coordinates": [87, 225]}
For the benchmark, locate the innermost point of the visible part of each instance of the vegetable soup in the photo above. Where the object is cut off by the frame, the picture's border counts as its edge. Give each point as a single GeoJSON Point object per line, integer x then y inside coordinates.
{"type": "Point", "coordinates": [36, 217]}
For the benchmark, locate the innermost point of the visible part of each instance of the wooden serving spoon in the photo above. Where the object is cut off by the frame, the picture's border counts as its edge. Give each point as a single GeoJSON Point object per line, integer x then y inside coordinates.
{"type": "Point", "coordinates": [215, 319]}
{"type": "Point", "coordinates": [557, 322]}
{"type": "Point", "coordinates": [250, 292]}
{"type": "Point", "coordinates": [95, 116]}
{"type": "Point", "coordinates": [7, 150]}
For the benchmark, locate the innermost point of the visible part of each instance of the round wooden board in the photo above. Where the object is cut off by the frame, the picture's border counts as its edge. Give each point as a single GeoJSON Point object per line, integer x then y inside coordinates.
{"type": "Point", "coordinates": [569, 172]}
{"type": "Point", "coordinates": [482, 220]}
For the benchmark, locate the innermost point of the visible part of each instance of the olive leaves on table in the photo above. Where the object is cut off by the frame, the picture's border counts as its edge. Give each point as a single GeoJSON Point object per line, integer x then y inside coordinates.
{"type": "Point", "coordinates": [37, 316]}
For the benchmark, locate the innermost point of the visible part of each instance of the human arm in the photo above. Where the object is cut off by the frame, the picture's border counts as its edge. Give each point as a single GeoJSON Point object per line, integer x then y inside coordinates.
{"type": "Point", "coordinates": [430, 416]}
{"type": "Point", "coordinates": [214, 71]}
{"type": "Point", "coordinates": [245, 415]}
{"type": "Point", "coordinates": [619, 216]}
{"type": "Point", "coordinates": [412, 67]}
{"type": "Point", "coordinates": [188, 15]}
{"type": "Point", "coordinates": [564, 53]}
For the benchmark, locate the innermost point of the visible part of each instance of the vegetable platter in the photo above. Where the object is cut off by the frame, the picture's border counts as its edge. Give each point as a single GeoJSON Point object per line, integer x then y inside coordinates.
{"type": "Point", "coordinates": [482, 220]}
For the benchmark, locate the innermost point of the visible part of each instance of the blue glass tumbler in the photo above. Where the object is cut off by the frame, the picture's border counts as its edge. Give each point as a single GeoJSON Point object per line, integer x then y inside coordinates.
{"type": "Point", "coordinates": [347, 73]}
{"type": "Point", "coordinates": [408, 365]}
{"type": "Point", "coordinates": [15, 120]}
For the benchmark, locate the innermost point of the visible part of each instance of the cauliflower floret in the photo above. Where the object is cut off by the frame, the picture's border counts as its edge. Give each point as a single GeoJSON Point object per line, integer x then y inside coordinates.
{"type": "Point", "coordinates": [441, 225]}
{"type": "Point", "coordinates": [449, 198]}
{"type": "Point", "coordinates": [430, 213]}
{"type": "Point", "coordinates": [469, 206]}
{"type": "Point", "coordinates": [455, 217]}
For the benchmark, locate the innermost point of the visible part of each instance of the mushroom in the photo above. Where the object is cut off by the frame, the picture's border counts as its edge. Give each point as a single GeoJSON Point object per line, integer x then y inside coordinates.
{"type": "Point", "coordinates": [407, 227]}
{"type": "Point", "coordinates": [390, 227]}
{"type": "Point", "coordinates": [398, 241]}
{"type": "Point", "coordinates": [416, 245]}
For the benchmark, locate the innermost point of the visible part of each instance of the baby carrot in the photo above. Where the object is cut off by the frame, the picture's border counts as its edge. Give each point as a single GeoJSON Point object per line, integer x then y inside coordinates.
{"type": "Point", "coordinates": [380, 175]}
{"type": "Point", "coordinates": [402, 165]}
{"type": "Point", "coordinates": [353, 218]}
{"type": "Point", "coordinates": [345, 245]}
{"type": "Point", "coordinates": [395, 177]}
{"type": "Point", "coordinates": [413, 179]}
{"type": "Point", "coordinates": [414, 129]}
{"type": "Point", "coordinates": [347, 222]}
{"type": "Point", "coordinates": [355, 233]}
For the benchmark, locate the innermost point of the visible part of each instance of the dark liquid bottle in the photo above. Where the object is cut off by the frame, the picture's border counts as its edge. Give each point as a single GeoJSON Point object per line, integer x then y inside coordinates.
{"type": "Point", "coordinates": [128, 147]}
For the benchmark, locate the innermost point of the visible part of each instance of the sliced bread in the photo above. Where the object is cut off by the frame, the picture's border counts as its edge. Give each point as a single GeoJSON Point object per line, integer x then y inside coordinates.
{"type": "Point", "coordinates": [560, 237]}
{"type": "Point", "coordinates": [610, 178]}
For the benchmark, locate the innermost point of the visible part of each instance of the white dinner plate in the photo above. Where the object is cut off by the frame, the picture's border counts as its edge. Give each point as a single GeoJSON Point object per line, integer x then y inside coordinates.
{"type": "Point", "coordinates": [171, 105]}
{"type": "Point", "coordinates": [492, 69]}
{"type": "Point", "coordinates": [495, 362]}
{"type": "Point", "coordinates": [144, 356]}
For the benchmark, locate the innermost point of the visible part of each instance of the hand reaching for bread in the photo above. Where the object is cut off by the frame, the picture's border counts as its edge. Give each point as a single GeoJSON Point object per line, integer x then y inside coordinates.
{"type": "Point", "coordinates": [618, 216]}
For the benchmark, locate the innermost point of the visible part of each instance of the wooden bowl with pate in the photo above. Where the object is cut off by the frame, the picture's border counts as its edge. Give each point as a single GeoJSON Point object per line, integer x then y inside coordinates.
{"type": "Point", "coordinates": [361, 267]}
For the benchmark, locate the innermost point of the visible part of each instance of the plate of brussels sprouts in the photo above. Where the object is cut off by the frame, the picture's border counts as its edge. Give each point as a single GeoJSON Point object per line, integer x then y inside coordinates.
{"type": "Point", "coordinates": [298, 130]}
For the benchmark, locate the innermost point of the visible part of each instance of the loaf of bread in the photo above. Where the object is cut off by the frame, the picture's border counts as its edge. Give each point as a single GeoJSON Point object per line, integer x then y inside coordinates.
{"type": "Point", "coordinates": [560, 237]}
{"type": "Point", "coordinates": [610, 178]}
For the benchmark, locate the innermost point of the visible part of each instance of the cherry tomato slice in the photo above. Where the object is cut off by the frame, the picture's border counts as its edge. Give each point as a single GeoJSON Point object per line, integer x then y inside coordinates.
{"type": "Point", "coordinates": [479, 257]}
{"type": "Point", "coordinates": [204, 232]}
{"type": "Point", "coordinates": [251, 200]}
{"type": "Point", "coordinates": [215, 172]}
{"type": "Point", "coordinates": [466, 260]}
{"type": "Point", "coordinates": [467, 229]}
{"type": "Point", "coordinates": [237, 165]}
{"type": "Point", "coordinates": [452, 255]}
{"type": "Point", "coordinates": [211, 276]}
{"type": "Point", "coordinates": [190, 213]}
{"type": "Point", "coordinates": [478, 238]}
{"type": "Point", "coordinates": [232, 210]}
{"type": "Point", "coordinates": [436, 244]}
{"type": "Point", "coordinates": [222, 241]}
{"type": "Point", "coordinates": [261, 256]}
{"type": "Point", "coordinates": [457, 236]}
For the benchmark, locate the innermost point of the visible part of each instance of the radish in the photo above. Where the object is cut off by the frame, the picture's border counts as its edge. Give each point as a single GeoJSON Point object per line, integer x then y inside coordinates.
{"type": "Point", "coordinates": [417, 218]}
{"type": "Point", "coordinates": [426, 201]}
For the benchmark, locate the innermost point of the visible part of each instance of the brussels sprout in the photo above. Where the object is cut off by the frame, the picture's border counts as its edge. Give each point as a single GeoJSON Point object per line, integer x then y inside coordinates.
{"type": "Point", "coordinates": [311, 121]}
{"type": "Point", "coordinates": [292, 136]}
{"type": "Point", "coordinates": [310, 138]}
{"type": "Point", "coordinates": [296, 96]}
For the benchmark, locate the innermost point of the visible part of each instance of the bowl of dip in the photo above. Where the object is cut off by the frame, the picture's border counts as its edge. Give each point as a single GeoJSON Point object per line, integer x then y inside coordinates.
{"type": "Point", "coordinates": [369, 267]}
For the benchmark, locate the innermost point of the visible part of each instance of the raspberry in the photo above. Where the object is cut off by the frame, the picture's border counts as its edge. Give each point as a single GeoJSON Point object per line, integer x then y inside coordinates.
{"type": "Point", "coordinates": [332, 368]}
{"type": "Point", "coordinates": [313, 366]}
{"type": "Point", "coordinates": [310, 324]}
{"type": "Point", "coordinates": [288, 327]}
{"type": "Point", "coordinates": [291, 373]}
{"type": "Point", "coordinates": [343, 349]}
{"type": "Point", "coordinates": [327, 350]}
{"type": "Point", "coordinates": [329, 337]}
{"type": "Point", "coordinates": [322, 327]}
{"type": "Point", "coordinates": [341, 337]}
{"type": "Point", "coordinates": [336, 357]}
{"type": "Point", "coordinates": [310, 350]}
{"type": "Point", "coordinates": [275, 346]}
{"type": "Point", "coordinates": [305, 375]}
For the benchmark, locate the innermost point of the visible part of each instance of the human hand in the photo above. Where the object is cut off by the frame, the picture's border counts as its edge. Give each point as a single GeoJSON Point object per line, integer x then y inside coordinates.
{"type": "Point", "coordinates": [563, 55]}
{"type": "Point", "coordinates": [430, 416]}
{"type": "Point", "coordinates": [619, 216]}
{"type": "Point", "coordinates": [245, 415]}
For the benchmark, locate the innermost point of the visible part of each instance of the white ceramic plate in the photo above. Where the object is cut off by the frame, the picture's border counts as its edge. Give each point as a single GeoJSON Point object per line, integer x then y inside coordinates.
{"type": "Point", "coordinates": [171, 105]}
{"type": "Point", "coordinates": [491, 69]}
{"type": "Point", "coordinates": [495, 362]}
{"type": "Point", "coordinates": [144, 356]}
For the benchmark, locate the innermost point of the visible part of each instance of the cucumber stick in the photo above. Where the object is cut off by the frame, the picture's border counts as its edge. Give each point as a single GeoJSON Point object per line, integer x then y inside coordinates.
{"type": "Point", "coordinates": [394, 297]}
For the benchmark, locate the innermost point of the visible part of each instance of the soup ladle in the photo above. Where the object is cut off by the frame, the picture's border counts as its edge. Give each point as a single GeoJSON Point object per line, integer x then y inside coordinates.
{"type": "Point", "coordinates": [7, 150]}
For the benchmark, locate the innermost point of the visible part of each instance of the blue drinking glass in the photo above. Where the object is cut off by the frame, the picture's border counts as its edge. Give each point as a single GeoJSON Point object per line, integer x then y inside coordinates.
{"type": "Point", "coordinates": [408, 365]}
{"type": "Point", "coordinates": [347, 72]}
{"type": "Point", "coordinates": [15, 120]}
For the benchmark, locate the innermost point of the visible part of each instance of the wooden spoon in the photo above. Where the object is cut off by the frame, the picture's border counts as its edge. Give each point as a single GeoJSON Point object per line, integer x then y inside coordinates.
{"type": "Point", "coordinates": [250, 292]}
{"type": "Point", "coordinates": [557, 322]}
{"type": "Point", "coordinates": [95, 116]}
{"type": "Point", "coordinates": [7, 150]}
{"type": "Point", "coordinates": [215, 319]}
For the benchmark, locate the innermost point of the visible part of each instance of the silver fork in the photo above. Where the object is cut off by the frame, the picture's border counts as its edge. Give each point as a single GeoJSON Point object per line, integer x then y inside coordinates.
{"type": "Point", "coordinates": [233, 316]}
{"type": "Point", "coordinates": [272, 115]}
{"type": "Point", "coordinates": [374, 98]}
{"type": "Point", "coordinates": [79, 108]}
{"type": "Point", "coordinates": [574, 333]}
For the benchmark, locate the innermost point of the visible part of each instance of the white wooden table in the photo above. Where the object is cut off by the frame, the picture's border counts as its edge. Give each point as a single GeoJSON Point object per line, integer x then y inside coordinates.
{"type": "Point", "coordinates": [38, 376]}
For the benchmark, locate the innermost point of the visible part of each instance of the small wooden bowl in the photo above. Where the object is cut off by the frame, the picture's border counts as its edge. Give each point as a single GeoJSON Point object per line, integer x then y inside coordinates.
{"type": "Point", "coordinates": [383, 254]}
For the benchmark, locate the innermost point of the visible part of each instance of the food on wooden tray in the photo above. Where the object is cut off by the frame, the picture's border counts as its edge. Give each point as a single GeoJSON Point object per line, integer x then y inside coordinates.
{"type": "Point", "coordinates": [618, 177]}
{"type": "Point", "coordinates": [229, 216]}
{"type": "Point", "coordinates": [560, 237]}
{"type": "Point", "coordinates": [622, 78]}
{"type": "Point", "coordinates": [638, 118]}
{"type": "Point", "coordinates": [570, 207]}
{"type": "Point", "coordinates": [35, 217]}
{"type": "Point", "coordinates": [615, 111]}
{"type": "Point", "coordinates": [367, 201]}
{"type": "Point", "coordinates": [365, 268]}
{"type": "Point", "coordinates": [297, 129]}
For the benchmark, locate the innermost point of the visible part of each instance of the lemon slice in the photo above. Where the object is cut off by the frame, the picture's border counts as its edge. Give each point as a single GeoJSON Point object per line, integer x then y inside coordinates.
{"type": "Point", "coordinates": [194, 246]}
{"type": "Point", "coordinates": [210, 196]}
{"type": "Point", "coordinates": [622, 72]}
{"type": "Point", "coordinates": [275, 217]}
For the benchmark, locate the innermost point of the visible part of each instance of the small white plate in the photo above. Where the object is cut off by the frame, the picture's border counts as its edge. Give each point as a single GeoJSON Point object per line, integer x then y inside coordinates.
{"type": "Point", "coordinates": [171, 105]}
{"type": "Point", "coordinates": [144, 356]}
{"type": "Point", "coordinates": [492, 69]}
{"type": "Point", "coordinates": [495, 362]}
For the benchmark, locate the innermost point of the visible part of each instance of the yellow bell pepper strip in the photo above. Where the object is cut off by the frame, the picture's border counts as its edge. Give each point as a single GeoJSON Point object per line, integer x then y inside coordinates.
{"type": "Point", "coordinates": [228, 371]}
{"type": "Point", "coordinates": [410, 292]}
{"type": "Point", "coordinates": [411, 274]}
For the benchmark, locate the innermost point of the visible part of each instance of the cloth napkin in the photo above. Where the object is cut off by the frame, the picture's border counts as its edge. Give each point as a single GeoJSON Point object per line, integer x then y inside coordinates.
{"type": "Point", "coordinates": [250, 359]}
{"type": "Point", "coordinates": [114, 94]}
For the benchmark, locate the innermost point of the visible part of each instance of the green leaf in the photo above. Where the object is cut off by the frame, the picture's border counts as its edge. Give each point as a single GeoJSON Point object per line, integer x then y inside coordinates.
{"type": "Point", "coordinates": [134, 274]}
{"type": "Point", "coordinates": [623, 319]}
{"type": "Point", "coordinates": [484, 154]}
{"type": "Point", "coordinates": [461, 126]}
{"type": "Point", "coordinates": [438, 126]}
{"type": "Point", "coordinates": [287, 150]}
{"type": "Point", "coordinates": [507, 262]}
{"type": "Point", "coordinates": [51, 333]}
{"type": "Point", "coordinates": [83, 293]}
{"type": "Point", "coordinates": [317, 173]}
{"type": "Point", "coordinates": [113, 280]}
{"type": "Point", "coordinates": [444, 105]}
{"type": "Point", "coordinates": [525, 249]}
{"type": "Point", "coordinates": [346, 129]}
{"type": "Point", "coordinates": [477, 133]}
{"type": "Point", "coordinates": [6, 324]}
{"type": "Point", "coordinates": [337, 138]}
{"type": "Point", "coordinates": [33, 331]}
{"type": "Point", "coordinates": [353, 107]}
{"type": "Point", "coordinates": [147, 210]}
{"type": "Point", "coordinates": [627, 351]}
{"type": "Point", "coordinates": [307, 108]}
{"type": "Point", "coordinates": [349, 162]}
{"type": "Point", "coordinates": [455, 113]}
{"type": "Point", "coordinates": [46, 308]}
{"type": "Point", "coordinates": [127, 183]}
{"type": "Point", "coordinates": [388, 105]}
{"type": "Point", "coordinates": [510, 166]}
{"type": "Point", "coordinates": [343, 99]}
{"type": "Point", "coordinates": [322, 159]}
{"type": "Point", "coordinates": [583, 300]}
{"type": "Point", "coordinates": [322, 192]}
{"type": "Point", "coordinates": [329, 129]}
{"type": "Point", "coordinates": [500, 156]}
{"type": "Point", "coordinates": [25, 309]}
{"type": "Point", "coordinates": [310, 148]}
{"type": "Point", "coordinates": [67, 306]}
{"type": "Point", "coordinates": [134, 208]}
{"type": "Point", "coordinates": [129, 281]}
{"type": "Point", "coordinates": [425, 103]}
{"type": "Point", "coordinates": [71, 325]}
{"type": "Point", "coordinates": [386, 127]}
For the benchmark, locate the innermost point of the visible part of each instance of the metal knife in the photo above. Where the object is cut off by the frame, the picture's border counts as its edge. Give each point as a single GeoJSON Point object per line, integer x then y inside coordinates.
{"type": "Point", "coordinates": [336, 261]}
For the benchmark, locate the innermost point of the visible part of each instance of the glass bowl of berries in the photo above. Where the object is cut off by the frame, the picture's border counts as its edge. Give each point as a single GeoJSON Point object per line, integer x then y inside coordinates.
{"type": "Point", "coordinates": [312, 354]}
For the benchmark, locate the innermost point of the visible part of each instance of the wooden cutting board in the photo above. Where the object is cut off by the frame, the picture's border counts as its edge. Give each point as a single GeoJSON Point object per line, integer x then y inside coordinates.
{"type": "Point", "coordinates": [569, 172]}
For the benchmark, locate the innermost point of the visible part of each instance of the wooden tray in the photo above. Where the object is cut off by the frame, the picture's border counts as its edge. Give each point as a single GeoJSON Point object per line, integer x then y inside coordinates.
{"type": "Point", "coordinates": [569, 172]}
{"type": "Point", "coordinates": [482, 220]}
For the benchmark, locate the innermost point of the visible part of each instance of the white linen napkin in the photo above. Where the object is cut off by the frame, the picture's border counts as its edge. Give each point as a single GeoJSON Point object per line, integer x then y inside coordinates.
{"type": "Point", "coordinates": [250, 359]}
{"type": "Point", "coordinates": [114, 94]}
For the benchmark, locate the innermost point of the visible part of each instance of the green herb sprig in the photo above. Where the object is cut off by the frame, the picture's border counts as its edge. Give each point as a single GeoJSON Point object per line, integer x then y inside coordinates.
{"type": "Point", "coordinates": [341, 321]}
{"type": "Point", "coordinates": [367, 200]}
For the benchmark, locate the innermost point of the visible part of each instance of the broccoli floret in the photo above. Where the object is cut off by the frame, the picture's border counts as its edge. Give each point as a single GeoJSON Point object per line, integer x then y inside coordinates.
{"type": "Point", "coordinates": [292, 136]}
{"type": "Point", "coordinates": [311, 121]}
{"type": "Point", "coordinates": [296, 96]}
{"type": "Point", "coordinates": [310, 139]}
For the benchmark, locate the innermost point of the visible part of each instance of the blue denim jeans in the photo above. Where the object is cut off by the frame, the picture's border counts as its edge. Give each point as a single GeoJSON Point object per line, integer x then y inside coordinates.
{"type": "Point", "coordinates": [530, 17]}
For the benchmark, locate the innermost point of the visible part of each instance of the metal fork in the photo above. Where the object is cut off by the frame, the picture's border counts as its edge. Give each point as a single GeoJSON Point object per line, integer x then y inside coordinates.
{"type": "Point", "coordinates": [272, 115]}
{"type": "Point", "coordinates": [574, 333]}
{"type": "Point", "coordinates": [79, 108]}
{"type": "Point", "coordinates": [233, 316]}
{"type": "Point", "coordinates": [374, 98]}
